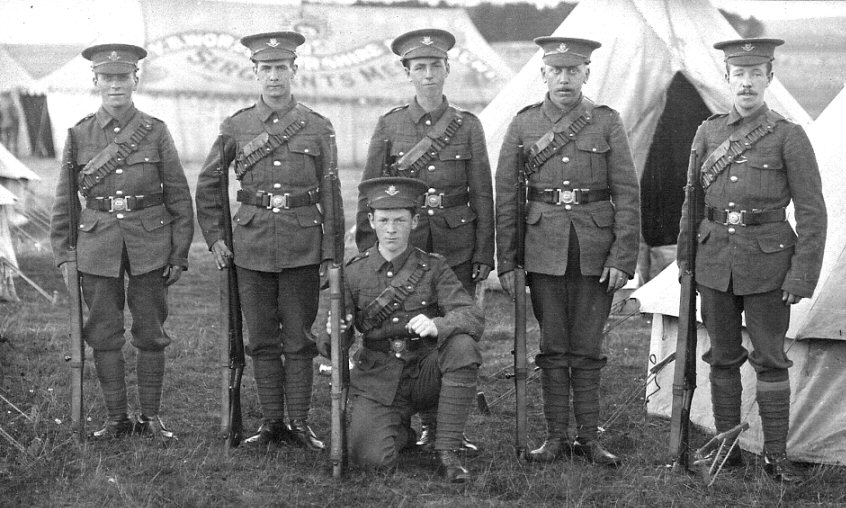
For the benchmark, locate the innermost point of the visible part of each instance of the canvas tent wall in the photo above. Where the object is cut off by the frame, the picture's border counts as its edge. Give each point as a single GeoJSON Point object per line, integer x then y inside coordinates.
{"type": "Point", "coordinates": [7, 250]}
{"type": "Point", "coordinates": [197, 73]}
{"type": "Point", "coordinates": [817, 334]}
{"type": "Point", "coordinates": [658, 68]}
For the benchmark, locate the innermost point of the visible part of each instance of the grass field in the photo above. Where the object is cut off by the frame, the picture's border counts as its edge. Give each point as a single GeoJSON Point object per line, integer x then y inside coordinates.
{"type": "Point", "coordinates": [51, 469]}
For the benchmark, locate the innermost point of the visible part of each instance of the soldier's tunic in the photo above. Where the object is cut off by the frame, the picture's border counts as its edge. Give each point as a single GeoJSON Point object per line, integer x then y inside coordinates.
{"type": "Point", "coordinates": [746, 267]}
{"type": "Point", "coordinates": [568, 245]}
{"type": "Point", "coordinates": [387, 390]}
{"type": "Point", "coordinates": [277, 250]}
{"type": "Point", "coordinates": [138, 242]}
{"type": "Point", "coordinates": [462, 232]}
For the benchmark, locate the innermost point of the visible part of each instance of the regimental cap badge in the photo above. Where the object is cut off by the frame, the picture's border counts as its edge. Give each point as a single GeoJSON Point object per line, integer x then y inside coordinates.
{"type": "Point", "coordinates": [427, 41]}
{"type": "Point", "coordinates": [562, 48]}
{"type": "Point", "coordinates": [114, 58]}
{"type": "Point", "coordinates": [424, 43]}
{"type": "Point", "coordinates": [272, 42]}
{"type": "Point", "coordinates": [566, 51]}
{"type": "Point", "coordinates": [747, 47]}
{"type": "Point", "coordinates": [391, 190]}
{"type": "Point", "coordinates": [273, 45]}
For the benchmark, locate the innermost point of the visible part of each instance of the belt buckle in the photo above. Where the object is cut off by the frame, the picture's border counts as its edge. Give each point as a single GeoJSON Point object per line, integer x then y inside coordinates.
{"type": "Point", "coordinates": [434, 200]}
{"type": "Point", "coordinates": [734, 218]}
{"type": "Point", "coordinates": [119, 204]}
{"type": "Point", "coordinates": [279, 201]}
{"type": "Point", "coordinates": [398, 347]}
{"type": "Point", "coordinates": [565, 197]}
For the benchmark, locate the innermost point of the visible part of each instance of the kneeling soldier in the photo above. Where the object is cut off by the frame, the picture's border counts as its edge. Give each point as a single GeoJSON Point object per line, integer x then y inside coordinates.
{"type": "Point", "coordinates": [420, 330]}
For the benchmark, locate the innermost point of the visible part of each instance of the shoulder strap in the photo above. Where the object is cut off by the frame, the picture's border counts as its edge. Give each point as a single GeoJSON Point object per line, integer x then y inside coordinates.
{"type": "Point", "coordinates": [427, 148]}
{"type": "Point", "coordinates": [111, 156]}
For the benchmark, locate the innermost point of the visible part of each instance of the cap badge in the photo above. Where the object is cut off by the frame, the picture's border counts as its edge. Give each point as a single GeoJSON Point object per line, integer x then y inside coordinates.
{"type": "Point", "coordinates": [113, 56]}
{"type": "Point", "coordinates": [273, 42]}
{"type": "Point", "coordinates": [747, 47]}
{"type": "Point", "coordinates": [562, 48]}
{"type": "Point", "coordinates": [427, 41]}
{"type": "Point", "coordinates": [391, 191]}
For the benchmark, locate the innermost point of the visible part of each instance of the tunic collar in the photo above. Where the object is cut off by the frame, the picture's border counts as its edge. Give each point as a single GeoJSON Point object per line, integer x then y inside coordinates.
{"type": "Point", "coordinates": [554, 113]}
{"type": "Point", "coordinates": [416, 112]}
{"type": "Point", "coordinates": [734, 116]}
{"type": "Point", "coordinates": [264, 111]}
{"type": "Point", "coordinates": [104, 117]}
{"type": "Point", "coordinates": [378, 262]}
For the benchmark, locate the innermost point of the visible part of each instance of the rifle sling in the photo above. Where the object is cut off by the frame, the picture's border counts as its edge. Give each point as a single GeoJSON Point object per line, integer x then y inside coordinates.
{"type": "Point", "coordinates": [553, 141]}
{"type": "Point", "coordinates": [263, 145]}
{"type": "Point", "coordinates": [738, 142]}
{"type": "Point", "coordinates": [392, 297]}
{"type": "Point", "coordinates": [421, 154]}
{"type": "Point", "coordinates": [114, 153]}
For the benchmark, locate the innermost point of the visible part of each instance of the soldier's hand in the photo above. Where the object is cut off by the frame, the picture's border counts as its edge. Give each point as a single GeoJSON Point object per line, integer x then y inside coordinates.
{"type": "Point", "coordinates": [222, 254]}
{"type": "Point", "coordinates": [480, 272]}
{"type": "Point", "coordinates": [789, 298]}
{"type": "Point", "coordinates": [616, 278]}
{"type": "Point", "coordinates": [324, 342]}
{"type": "Point", "coordinates": [422, 326]}
{"type": "Point", "coordinates": [172, 274]}
{"type": "Point", "coordinates": [64, 268]}
{"type": "Point", "coordinates": [507, 281]}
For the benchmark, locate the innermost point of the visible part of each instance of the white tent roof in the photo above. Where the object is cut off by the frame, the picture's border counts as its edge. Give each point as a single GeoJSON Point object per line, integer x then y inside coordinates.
{"type": "Point", "coordinates": [6, 197]}
{"type": "Point", "coordinates": [13, 169]}
{"type": "Point", "coordinates": [13, 75]}
{"type": "Point", "coordinates": [644, 44]}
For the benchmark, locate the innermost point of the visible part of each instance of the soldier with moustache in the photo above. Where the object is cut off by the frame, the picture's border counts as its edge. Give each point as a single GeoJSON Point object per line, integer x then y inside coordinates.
{"type": "Point", "coordinates": [750, 163]}
{"type": "Point", "coordinates": [136, 223]}
{"type": "Point", "coordinates": [444, 147]}
{"type": "Point", "coordinates": [420, 330]}
{"type": "Point", "coordinates": [581, 237]}
{"type": "Point", "coordinates": [281, 150]}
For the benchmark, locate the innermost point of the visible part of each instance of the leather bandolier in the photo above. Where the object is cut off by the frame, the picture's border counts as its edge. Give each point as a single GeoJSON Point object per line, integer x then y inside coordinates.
{"type": "Point", "coordinates": [553, 141]}
{"type": "Point", "coordinates": [729, 150]}
{"type": "Point", "coordinates": [263, 145]}
{"type": "Point", "coordinates": [421, 154]}
{"type": "Point", "coordinates": [391, 298]}
{"type": "Point", "coordinates": [115, 153]}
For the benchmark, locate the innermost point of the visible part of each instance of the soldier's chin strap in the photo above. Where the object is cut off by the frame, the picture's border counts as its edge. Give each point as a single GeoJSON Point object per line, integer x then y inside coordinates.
{"type": "Point", "coordinates": [710, 458]}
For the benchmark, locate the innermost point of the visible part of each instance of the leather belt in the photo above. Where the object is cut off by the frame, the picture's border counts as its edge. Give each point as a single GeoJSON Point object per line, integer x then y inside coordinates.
{"type": "Point", "coordinates": [744, 217]}
{"type": "Point", "coordinates": [568, 196]}
{"type": "Point", "coordinates": [396, 345]}
{"type": "Point", "coordinates": [273, 201]}
{"type": "Point", "coordinates": [433, 199]}
{"type": "Point", "coordinates": [124, 203]}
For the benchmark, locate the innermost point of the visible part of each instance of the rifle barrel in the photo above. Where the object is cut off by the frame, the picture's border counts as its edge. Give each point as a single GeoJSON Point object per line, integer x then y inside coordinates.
{"type": "Point", "coordinates": [74, 294]}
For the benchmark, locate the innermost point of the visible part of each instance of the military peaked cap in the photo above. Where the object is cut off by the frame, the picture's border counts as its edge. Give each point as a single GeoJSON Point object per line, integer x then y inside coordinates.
{"type": "Point", "coordinates": [273, 45]}
{"type": "Point", "coordinates": [114, 58]}
{"type": "Point", "coordinates": [428, 42]}
{"type": "Point", "coordinates": [393, 192]}
{"type": "Point", "coordinates": [749, 51]}
{"type": "Point", "coordinates": [566, 51]}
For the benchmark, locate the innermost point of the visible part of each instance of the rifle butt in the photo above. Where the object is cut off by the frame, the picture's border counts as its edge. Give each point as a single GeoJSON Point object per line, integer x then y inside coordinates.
{"type": "Point", "coordinates": [520, 363]}
{"type": "Point", "coordinates": [684, 375]}
{"type": "Point", "coordinates": [338, 358]}
{"type": "Point", "coordinates": [225, 423]}
{"type": "Point", "coordinates": [77, 356]}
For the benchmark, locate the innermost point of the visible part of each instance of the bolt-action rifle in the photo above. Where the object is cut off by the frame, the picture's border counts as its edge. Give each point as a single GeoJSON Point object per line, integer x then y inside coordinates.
{"type": "Point", "coordinates": [77, 355]}
{"type": "Point", "coordinates": [520, 361]}
{"type": "Point", "coordinates": [340, 362]}
{"type": "Point", "coordinates": [684, 379]}
{"type": "Point", "coordinates": [233, 359]}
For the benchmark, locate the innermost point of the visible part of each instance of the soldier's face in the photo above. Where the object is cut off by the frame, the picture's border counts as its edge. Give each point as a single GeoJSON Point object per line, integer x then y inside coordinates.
{"type": "Point", "coordinates": [393, 228]}
{"type": "Point", "coordinates": [275, 77]}
{"type": "Point", "coordinates": [428, 76]}
{"type": "Point", "coordinates": [116, 89]}
{"type": "Point", "coordinates": [747, 84]}
{"type": "Point", "coordinates": [565, 83]}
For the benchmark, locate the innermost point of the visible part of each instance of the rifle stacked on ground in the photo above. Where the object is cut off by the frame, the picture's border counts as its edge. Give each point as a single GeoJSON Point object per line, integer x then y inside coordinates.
{"type": "Point", "coordinates": [233, 358]}
{"type": "Point", "coordinates": [684, 379]}
{"type": "Point", "coordinates": [77, 356]}
{"type": "Point", "coordinates": [340, 362]}
{"type": "Point", "coordinates": [520, 360]}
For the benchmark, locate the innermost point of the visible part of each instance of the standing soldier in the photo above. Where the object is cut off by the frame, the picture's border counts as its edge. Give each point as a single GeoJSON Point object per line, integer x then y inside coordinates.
{"type": "Point", "coordinates": [281, 150]}
{"type": "Point", "coordinates": [137, 221]}
{"type": "Point", "coordinates": [582, 228]}
{"type": "Point", "coordinates": [751, 163]}
{"type": "Point", "coordinates": [444, 147]}
{"type": "Point", "coordinates": [420, 330]}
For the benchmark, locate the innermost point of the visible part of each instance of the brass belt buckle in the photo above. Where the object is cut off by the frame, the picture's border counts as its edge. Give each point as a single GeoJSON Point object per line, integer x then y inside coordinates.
{"type": "Point", "coordinates": [278, 201]}
{"type": "Point", "coordinates": [398, 346]}
{"type": "Point", "coordinates": [434, 200]}
{"type": "Point", "coordinates": [565, 197]}
{"type": "Point", "coordinates": [118, 204]}
{"type": "Point", "coordinates": [734, 218]}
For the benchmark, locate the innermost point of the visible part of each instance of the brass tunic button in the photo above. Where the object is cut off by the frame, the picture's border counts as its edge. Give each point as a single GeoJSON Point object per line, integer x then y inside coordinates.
{"type": "Point", "coordinates": [277, 163]}
{"type": "Point", "coordinates": [431, 167]}
{"type": "Point", "coordinates": [428, 122]}
{"type": "Point", "coordinates": [431, 212]}
{"type": "Point", "coordinates": [119, 216]}
{"type": "Point", "coordinates": [422, 302]}
{"type": "Point", "coordinates": [432, 190]}
{"type": "Point", "coordinates": [275, 210]}
{"type": "Point", "coordinates": [117, 129]}
{"type": "Point", "coordinates": [565, 182]}
{"type": "Point", "coordinates": [731, 231]}
{"type": "Point", "coordinates": [277, 185]}
{"type": "Point", "coordinates": [766, 166]}
{"type": "Point", "coordinates": [395, 320]}
{"type": "Point", "coordinates": [568, 207]}
{"type": "Point", "coordinates": [275, 120]}
{"type": "Point", "coordinates": [733, 178]}
{"type": "Point", "coordinates": [731, 204]}
{"type": "Point", "coordinates": [118, 171]}
{"type": "Point", "coordinates": [401, 153]}
{"type": "Point", "coordinates": [305, 150]}
{"type": "Point", "coordinates": [390, 274]}
{"type": "Point", "coordinates": [565, 159]}
{"type": "Point", "coordinates": [146, 159]}
{"type": "Point", "coordinates": [119, 193]}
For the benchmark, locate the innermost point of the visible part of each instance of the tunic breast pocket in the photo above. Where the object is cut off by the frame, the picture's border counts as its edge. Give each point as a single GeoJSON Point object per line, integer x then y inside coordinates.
{"type": "Point", "coordinates": [592, 153]}
{"type": "Point", "coordinates": [453, 160]}
{"type": "Point", "coordinates": [301, 162]}
{"type": "Point", "coordinates": [767, 175]}
{"type": "Point", "coordinates": [141, 174]}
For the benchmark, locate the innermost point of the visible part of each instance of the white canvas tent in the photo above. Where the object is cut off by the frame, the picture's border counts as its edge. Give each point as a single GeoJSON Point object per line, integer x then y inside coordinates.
{"type": "Point", "coordinates": [7, 250]}
{"type": "Point", "coordinates": [817, 335]}
{"type": "Point", "coordinates": [197, 73]}
{"type": "Point", "coordinates": [658, 68]}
